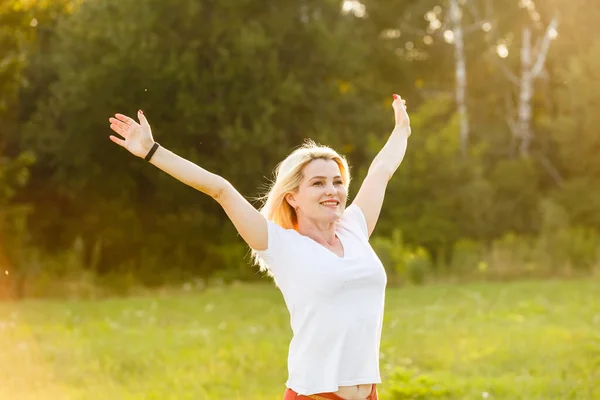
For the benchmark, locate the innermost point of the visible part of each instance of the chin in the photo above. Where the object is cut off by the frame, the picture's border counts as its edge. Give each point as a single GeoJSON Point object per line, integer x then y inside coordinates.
{"type": "Point", "coordinates": [334, 214]}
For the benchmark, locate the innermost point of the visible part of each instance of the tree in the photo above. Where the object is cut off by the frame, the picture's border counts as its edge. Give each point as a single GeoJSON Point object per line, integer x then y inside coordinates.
{"type": "Point", "coordinates": [532, 66]}
{"type": "Point", "coordinates": [232, 86]}
{"type": "Point", "coordinates": [16, 35]}
{"type": "Point", "coordinates": [448, 22]}
{"type": "Point", "coordinates": [570, 130]}
{"type": "Point", "coordinates": [437, 196]}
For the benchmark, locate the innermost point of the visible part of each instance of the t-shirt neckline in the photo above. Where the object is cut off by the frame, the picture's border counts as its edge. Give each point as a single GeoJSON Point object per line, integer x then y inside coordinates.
{"type": "Point", "coordinates": [337, 233]}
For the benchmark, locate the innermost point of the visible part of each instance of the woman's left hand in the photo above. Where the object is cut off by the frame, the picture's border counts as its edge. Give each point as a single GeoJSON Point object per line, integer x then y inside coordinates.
{"type": "Point", "coordinates": [400, 113]}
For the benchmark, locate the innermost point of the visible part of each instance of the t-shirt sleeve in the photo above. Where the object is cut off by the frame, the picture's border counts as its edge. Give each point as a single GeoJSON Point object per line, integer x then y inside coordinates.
{"type": "Point", "coordinates": [275, 251]}
{"type": "Point", "coordinates": [355, 219]}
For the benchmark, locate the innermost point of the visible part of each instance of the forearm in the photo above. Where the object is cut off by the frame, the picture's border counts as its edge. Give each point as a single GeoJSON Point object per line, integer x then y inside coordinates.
{"type": "Point", "coordinates": [188, 172]}
{"type": "Point", "coordinates": [391, 155]}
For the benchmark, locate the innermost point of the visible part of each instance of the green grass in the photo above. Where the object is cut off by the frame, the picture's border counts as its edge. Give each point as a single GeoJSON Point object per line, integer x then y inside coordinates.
{"type": "Point", "coordinates": [528, 340]}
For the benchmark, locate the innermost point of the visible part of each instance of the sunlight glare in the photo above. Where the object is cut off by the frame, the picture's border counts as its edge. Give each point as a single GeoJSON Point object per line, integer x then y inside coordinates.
{"type": "Point", "coordinates": [435, 24]}
{"type": "Point", "coordinates": [529, 4]}
{"type": "Point", "coordinates": [449, 36]}
{"type": "Point", "coordinates": [355, 7]}
{"type": "Point", "coordinates": [502, 50]}
{"type": "Point", "coordinates": [391, 33]}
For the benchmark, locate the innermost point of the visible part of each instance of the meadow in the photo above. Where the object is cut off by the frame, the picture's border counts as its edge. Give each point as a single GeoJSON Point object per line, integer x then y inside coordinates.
{"type": "Point", "coordinates": [522, 340]}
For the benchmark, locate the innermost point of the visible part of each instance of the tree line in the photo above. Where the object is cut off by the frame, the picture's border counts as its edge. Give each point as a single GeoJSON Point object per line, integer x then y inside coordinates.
{"type": "Point", "coordinates": [501, 95]}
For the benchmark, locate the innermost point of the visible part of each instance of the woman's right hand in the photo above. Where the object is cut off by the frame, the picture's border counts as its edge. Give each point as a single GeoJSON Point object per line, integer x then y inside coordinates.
{"type": "Point", "coordinates": [138, 137]}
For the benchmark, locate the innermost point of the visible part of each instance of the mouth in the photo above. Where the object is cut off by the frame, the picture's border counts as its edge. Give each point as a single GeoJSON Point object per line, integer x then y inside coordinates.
{"type": "Point", "coordinates": [330, 204]}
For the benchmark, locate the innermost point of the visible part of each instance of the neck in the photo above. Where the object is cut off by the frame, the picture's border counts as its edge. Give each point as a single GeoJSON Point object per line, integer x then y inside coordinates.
{"type": "Point", "coordinates": [319, 231]}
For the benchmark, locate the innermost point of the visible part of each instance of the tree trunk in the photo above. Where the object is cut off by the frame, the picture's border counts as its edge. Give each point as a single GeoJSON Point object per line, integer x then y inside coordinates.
{"type": "Point", "coordinates": [461, 74]}
{"type": "Point", "coordinates": [524, 123]}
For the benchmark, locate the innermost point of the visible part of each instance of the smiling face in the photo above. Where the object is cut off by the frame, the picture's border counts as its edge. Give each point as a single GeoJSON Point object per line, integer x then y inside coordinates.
{"type": "Point", "coordinates": [322, 194]}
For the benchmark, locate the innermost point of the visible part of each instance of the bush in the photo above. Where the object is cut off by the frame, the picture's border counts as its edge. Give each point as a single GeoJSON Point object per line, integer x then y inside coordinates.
{"type": "Point", "coordinates": [417, 266]}
{"type": "Point", "coordinates": [410, 384]}
{"type": "Point", "coordinates": [467, 256]}
{"type": "Point", "coordinates": [401, 262]}
{"type": "Point", "coordinates": [510, 257]}
{"type": "Point", "coordinates": [390, 252]}
{"type": "Point", "coordinates": [563, 252]}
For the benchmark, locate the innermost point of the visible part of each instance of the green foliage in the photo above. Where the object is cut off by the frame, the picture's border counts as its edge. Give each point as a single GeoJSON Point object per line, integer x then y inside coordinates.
{"type": "Point", "coordinates": [516, 185]}
{"type": "Point", "coordinates": [410, 384]}
{"type": "Point", "coordinates": [560, 249]}
{"type": "Point", "coordinates": [14, 174]}
{"type": "Point", "coordinates": [391, 251]}
{"type": "Point", "coordinates": [234, 93]}
{"type": "Point", "coordinates": [402, 263]}
{"type": "Point", "coordinates": [467, 257]}
{"type": "Point", "coordinates": [418, 266]}
{"type": "Point", "coordinates": [564, 245]}
{"type": "Point", "coordinates": [438, 197]}
{"type": "Point", "coordinates": [234, 86]}
{"type": "Point", "coordinates": [572, 126]}
{"type": "Point", "coordinates": [563, 251]}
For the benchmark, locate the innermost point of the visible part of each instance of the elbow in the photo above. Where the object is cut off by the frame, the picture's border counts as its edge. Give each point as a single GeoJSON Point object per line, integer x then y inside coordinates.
{"type": "Point", "coordinates": [218, 193]}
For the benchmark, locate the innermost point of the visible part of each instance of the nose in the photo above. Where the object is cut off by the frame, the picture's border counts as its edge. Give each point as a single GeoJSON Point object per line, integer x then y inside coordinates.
{"type": "Point", "coordinates": [330, 189]}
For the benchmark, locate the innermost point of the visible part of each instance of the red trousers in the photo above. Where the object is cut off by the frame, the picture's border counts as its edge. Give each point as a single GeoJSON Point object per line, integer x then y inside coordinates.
{"type": "Point", "coordinates": [291, 395]}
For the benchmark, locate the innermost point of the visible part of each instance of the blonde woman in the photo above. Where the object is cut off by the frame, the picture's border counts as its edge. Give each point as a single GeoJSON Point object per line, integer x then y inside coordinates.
{"type": "Point", "coordinates": [315, 248]}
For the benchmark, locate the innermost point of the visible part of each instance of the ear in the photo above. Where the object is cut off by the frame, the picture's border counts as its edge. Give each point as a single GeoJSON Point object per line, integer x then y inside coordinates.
{"type": "Point", "coordinates": [290, 199]}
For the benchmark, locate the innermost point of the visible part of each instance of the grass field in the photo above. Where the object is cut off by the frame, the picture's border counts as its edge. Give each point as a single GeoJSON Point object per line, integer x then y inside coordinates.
{"type": "Point", "coordinates": [528, 340]}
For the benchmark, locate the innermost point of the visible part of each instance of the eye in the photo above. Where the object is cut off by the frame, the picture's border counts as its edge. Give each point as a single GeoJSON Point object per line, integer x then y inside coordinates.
{"type": "Point", "coordinates": [317, 183]}
{"type": "Point", "coordinates": [339, 183]}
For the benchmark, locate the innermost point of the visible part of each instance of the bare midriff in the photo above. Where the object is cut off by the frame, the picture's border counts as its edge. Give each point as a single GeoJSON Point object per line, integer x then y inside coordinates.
{"type": "Point", "coordinates": [356, 392]}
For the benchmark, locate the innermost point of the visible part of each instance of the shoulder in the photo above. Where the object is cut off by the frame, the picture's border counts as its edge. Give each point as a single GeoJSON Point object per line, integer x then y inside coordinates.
{"type": "Point", "coordinates": [279, 238]}
{"type": "Point", "coordinates": [353, 219]}
{"type": "Point", "coordinates": [286, 251]}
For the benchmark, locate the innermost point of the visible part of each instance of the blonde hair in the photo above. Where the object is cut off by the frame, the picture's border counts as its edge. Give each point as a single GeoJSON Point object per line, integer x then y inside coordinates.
{"type": "Point", "coordinates": [288, 176]}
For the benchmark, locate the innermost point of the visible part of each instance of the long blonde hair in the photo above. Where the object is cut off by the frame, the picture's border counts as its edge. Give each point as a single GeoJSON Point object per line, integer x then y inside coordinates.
{"type": "Point", "coordinates": [288, 176]}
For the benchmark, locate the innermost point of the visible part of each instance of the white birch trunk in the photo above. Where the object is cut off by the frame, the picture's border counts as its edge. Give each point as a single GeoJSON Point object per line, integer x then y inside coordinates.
{"type": "Point", "coordinates": [525, 95]}
{"type": "Point", "coordinates": [529, 72]}
{"type": "Point", "coordinates": [461, 74]}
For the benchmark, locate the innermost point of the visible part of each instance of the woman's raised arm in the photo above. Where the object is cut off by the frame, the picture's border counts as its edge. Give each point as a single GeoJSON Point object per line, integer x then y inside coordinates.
{"type": "Point", "coordinates": [250, 223]}
{"type": "Point", "coordinates": [138, 140]}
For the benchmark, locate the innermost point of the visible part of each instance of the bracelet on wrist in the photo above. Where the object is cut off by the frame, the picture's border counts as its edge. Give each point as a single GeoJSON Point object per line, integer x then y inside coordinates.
{"type": "Point", "coordinates": [152, 151]}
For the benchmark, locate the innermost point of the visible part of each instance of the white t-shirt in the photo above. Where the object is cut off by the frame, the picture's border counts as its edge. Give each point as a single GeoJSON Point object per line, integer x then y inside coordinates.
{"type": "Point", "coordinates": [335, 304]}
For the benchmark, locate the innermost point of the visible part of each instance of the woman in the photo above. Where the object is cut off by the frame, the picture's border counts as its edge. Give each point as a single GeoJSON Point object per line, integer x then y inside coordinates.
{"type": "Point", "coordinates": [315, 248]}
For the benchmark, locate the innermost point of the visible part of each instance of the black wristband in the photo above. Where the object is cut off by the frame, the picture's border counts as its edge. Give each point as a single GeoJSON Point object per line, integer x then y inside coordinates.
{"type": "Point", "coordinates": [152, 151]}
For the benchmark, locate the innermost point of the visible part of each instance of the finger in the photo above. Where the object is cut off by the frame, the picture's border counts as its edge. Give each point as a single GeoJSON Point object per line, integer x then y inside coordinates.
{"type": "Point", "coordinates": [125, 119]}
{"type": "Point", "coordinates": [119, 130]}
{"type": "Point", "coordinates": [120, 124]}
{"type": "Point", "coordinates": [118, 141]}
{"type": "Point", "coordinates": [142, 118]}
